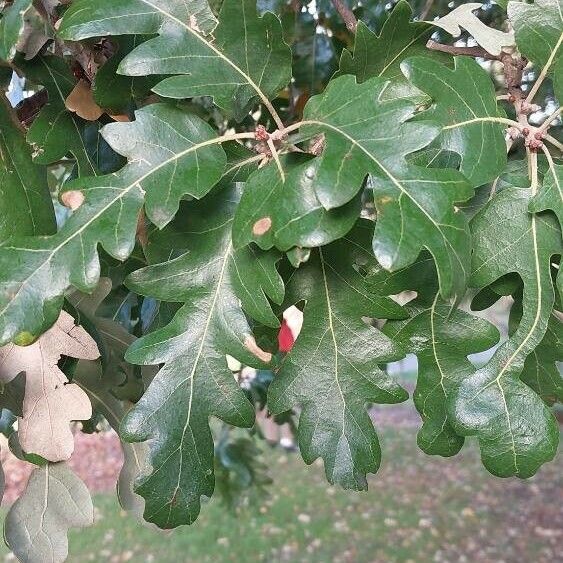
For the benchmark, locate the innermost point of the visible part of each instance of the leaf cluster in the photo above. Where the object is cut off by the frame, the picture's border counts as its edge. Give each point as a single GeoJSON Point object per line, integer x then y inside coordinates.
{"type": "Point", "coordinates": [183, 173]}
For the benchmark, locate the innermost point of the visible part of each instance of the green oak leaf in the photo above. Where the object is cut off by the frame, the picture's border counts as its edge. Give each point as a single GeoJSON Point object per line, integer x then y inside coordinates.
{"type": "Point", "coordinates": [171, 154]}
{"type": "Point", "coordinates": [244, 57]}
{"type": "Point", "coordinates": [441, 337]}
{"type": "Point", "coordinates": [464, 104]}
{"type": "Point", "coordinates": [25, 201]}
{"type": "Point", "coordinates": [37, 524]}
{"type": "Point", "coordinates": [541, 371]}
{"type": "Point", "coordinates": [517, 432]}
{"type": "Point", "coordinates": [114, 91]}
{"type": "Point", "coordinates": [550, 196]}
{"type": "Point", "coordinates": [11, 28]}
{"type": "Point", "coordinates": [366, 134]}
{"type": "Point", "coordinates": [333, 369]}
{"type": "Point", "coordinates": [56, 131]}
{"type": "Point", "coordinates": [381, 55]}
{"type": "Point", "coordinates": [195, 382]}
{"type": "Point", "coordinates": [113, 340]}
{"type": "Point", "coordinates": [538, 28]}
{"type": "Point", "coordinates": [287, 212]}
{"type": "Point", "coordinates": [94, 381]}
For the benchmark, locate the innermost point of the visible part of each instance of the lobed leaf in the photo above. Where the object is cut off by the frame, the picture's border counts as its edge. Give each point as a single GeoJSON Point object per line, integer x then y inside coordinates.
{"type": "Point", "coordinates": [517, 433]}
{"type": "Point", "coordinates": [464, 104]}
{"type": "Point", "coordinates": [166, 148]}
{"type": "Point", "coordinates": [442, 337]}
{"type": "Point", "coordinates": [208, 60]}
{"type": "Point", "coordinates": [366, 134]}
{"type": "Point", "coordinates": [195, 382]}
{"type": "Point", "coordinates": [492, 40]}
{"type": "Point", "coordinates": [54, 501]}
{"type": "Point", "coordinates": [382, 55]}
{"type": "Point", "coordinates": [333, 369]}
{"type": "Point", "coordinates": [50, 401]}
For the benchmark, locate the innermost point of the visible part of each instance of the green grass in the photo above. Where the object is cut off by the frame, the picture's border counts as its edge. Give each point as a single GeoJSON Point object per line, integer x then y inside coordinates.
{"type": "Point", "coordinates": [418, 509]}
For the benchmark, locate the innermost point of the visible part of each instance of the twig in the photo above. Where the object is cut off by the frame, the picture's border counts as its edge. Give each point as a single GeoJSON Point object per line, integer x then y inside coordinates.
{"type": "Point", "coordinates": [544, 72]}
{"type": "Point", "coordinates": [546, 124]}
{"type": "Point", "coordinates": [453, 50]}
{"type": "Point", "coordinates": [346, 14]}
{"type": "Point", "coordinates": [553, 141]}
{"type": "Point", "coordinates": [276, 158]}
{"type": "Point", "coordinates": [426, 9]}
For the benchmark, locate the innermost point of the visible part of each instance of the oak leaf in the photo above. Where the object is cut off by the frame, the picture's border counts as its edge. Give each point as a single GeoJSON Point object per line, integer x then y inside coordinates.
{"type": "Point", "coordinates": [50, 401]}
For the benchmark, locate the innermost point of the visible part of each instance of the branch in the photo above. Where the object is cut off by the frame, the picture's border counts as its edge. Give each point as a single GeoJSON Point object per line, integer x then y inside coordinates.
{"type": "Point", "coordinates": [426, 10]}
{"type": "Point", "coordinates": [554, 142]}
{"type": "Point", "coordinates": [453, 50]}
{"type": "Point", "coordinates": [29, 108]}
{"type": "Point", "coordinates": [547, 123]}
{"type": "Point", "coordinates": [346, 14]}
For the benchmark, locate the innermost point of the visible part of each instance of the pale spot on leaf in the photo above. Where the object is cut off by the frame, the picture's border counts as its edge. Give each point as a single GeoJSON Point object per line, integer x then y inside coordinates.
{"type": "Point", "coordinates": [72, 199]}
{"type": "Point", "coordinates": [262, 226]}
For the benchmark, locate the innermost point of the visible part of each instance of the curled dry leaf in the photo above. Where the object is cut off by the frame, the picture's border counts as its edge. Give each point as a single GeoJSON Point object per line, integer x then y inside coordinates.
{"type": "Point", "coordinates": [81, 101]}
{"type": "Point", "coordinates": [50, 401]}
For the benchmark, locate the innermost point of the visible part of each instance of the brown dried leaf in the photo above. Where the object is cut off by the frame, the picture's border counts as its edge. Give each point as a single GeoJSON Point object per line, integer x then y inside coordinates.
{"type": "Point", "coordinates": [50, 402]}
{"type": "Point", "coordinates": [81, 101]}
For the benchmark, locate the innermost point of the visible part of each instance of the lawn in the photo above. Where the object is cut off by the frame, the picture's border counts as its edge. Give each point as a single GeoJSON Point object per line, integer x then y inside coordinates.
{"type": "Point", "coordinates": [417, 509]}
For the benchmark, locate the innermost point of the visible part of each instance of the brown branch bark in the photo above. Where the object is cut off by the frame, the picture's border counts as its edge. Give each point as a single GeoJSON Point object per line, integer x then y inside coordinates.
{"type": "Point", "coordinates": [29, 108]}
{"type": "Point", "coordinates": [426, 9]}
{"type": "Point", "coordinates": [453, 50]}
{"type": "Point", "coordinates": [346, 14]}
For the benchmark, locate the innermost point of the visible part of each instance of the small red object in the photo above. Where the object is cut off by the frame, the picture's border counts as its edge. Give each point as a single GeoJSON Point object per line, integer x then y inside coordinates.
{"type": "Point", "coordinates": [261, 134]}
{"type": "Point", "coordinates": [285, 338]}
{"type": "Point", "coordinates": [525, 131]}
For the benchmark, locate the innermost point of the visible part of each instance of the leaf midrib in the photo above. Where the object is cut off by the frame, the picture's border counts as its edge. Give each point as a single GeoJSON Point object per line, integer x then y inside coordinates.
{"type": "Point", "coordinates": [333, 335]}
{"type": "Point", "coordinates": [394, 180]}
{"type": "Point", "coordinates": [251, 82]}
{"type": "Point", "coordinates": [122, 194]}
